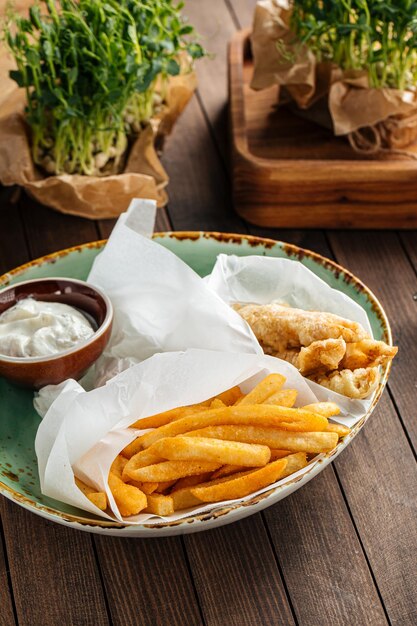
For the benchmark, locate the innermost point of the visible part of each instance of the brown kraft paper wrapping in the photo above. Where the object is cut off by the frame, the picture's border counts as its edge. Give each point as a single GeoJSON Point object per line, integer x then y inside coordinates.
{"type": "Point", "coordinates": [88, 196]}
{"type": "Point", "coordinates": [345, 96]}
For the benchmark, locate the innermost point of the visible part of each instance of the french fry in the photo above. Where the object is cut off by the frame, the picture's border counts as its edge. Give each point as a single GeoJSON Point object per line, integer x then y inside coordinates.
{"type": "Point", "coordinates": [230, 396]}
{"type": "Point", "coordinates": [279, 454]}
{"type": "Point", "coordinates": [243, 485]}
{"type": "Point", "coordinates": [224, 448]}
{"type": "Point", "coordinates": [164, 486]}
{"type": "Point", "coordinates": [118, 465]}
{"type": "Point", "coordinates": [140, 459]}
{"type": "Point", "coordinates": [191, 481]}
{"type": "Point", "coordinates": [129, 499]}
{"type": "Point", "coordinates": [170, 470]}
{"type": "Point", "coordinates": [297, 420]}
{"type": "Point", "coordinates": [340, 429]}
{"type": "Point", "coordinates": [283, 397]}
{"type": "Point", "coordinates": [154, 421]}
{"type": "Point", "coordinates": [216, 450]}
{"type": "Point", "coordinates": [295, 462]}
{"type": "Point", "coordinates": [327, 409]}
{"type": "Point", "coordinates": [183, 498]}
{"type": "Point", "coordinates": [216, 404]}
{"type": "Point", "coordinates": [271, 437]}
{"type": "Point", "coordinates": [263, 390]}
{"type": "Point", "coordinates": [226, 470]}
{"type": "Point", "coordinates": [147, 488]}
{"type": "Point", "coordinates": [160, 505]}
{"type": "Point", "coordinates": [98, 498]}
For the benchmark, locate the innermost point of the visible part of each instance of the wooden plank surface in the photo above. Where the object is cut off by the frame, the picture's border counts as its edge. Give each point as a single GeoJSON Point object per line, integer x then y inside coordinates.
{"type": "Point", "coordinates": [237, 577]}
{"type": "Point", "coordinates": [54, 573]}
{"type": "Point", "coordinates": [147, 582]}
{"type": "Point", "coordinates": [378, 475]}
{"type": "Point", "coordinates": [315, 540]}
{"type": "Point", "coordinates": [7, 617]}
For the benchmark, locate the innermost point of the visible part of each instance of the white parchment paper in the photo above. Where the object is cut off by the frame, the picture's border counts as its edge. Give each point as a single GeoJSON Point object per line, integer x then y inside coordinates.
{"type": "Point", "coordinates": [160, 303]}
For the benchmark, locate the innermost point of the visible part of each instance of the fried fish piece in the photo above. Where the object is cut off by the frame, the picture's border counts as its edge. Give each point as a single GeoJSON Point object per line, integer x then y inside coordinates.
{"type": "Point", "coordinates": [291, 356]}
{"type": "Point", "coordinates": [279, 328]}
{"type": "Point", "coordinates": [357, 384]}
{"type": "Point", "coordinates": [321, 356]}
{"type": "Point", "coordinates": [367, 353]}
{"type": "Point", "coordinates": [337, 353]}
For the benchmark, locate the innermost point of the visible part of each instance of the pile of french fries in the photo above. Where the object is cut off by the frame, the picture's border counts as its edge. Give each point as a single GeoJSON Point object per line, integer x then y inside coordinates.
{"type": "Point", "coordinates": [223, 449]}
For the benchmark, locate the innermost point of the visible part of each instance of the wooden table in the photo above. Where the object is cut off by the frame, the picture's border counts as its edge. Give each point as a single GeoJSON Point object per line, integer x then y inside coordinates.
{"type": "Point", "coordinates": [341, 551]}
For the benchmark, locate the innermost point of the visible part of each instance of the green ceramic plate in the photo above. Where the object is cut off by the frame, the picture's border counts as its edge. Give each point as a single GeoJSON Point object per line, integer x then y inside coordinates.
{"type": "Point", "coordinates": [18, 420]}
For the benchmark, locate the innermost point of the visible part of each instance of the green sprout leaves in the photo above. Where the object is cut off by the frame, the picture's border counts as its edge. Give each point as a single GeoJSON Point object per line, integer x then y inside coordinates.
{"type": "Point", "coordinates": [89, 68]}
{"type": "Point", "coordinates": [379, 36]}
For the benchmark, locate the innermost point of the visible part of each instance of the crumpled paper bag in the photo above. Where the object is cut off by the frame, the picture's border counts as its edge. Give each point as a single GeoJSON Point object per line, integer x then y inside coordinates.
{"type": "Point", "coordinates": [346, 96]}
{"type": "Point", "coordinates": [88, 196]}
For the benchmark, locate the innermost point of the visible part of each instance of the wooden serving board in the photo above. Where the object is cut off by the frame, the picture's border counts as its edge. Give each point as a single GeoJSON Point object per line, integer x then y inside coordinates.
{"type": "Point", "coordinates": [290, 172]}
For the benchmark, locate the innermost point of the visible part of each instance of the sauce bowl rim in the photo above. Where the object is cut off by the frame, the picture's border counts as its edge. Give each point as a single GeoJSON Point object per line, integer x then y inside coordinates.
{"type": "Point", "coordinates": [79, 346]}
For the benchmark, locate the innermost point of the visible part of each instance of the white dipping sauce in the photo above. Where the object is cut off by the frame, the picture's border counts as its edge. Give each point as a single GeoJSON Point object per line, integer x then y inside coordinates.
{"type": "Point", "coordinates": [32, 328]}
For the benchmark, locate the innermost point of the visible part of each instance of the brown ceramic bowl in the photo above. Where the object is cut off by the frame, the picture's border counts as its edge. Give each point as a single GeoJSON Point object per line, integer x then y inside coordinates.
{"type": "Point", "coordinates": [36, 372]}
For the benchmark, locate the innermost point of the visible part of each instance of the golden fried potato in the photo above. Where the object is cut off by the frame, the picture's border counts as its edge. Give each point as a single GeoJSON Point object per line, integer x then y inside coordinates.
{"type": "Point", "coordinates": [129, 499]}
{"type": "Point", "coordinates": [263, 390]}
{"type": "Point", "coordinates": [283, 397]}
{"type": "Point", "coordinates": [215, 450]}
{"type": "Point", "coordinates": [272, 437]}
{"type": "Point", "coordinates": [172, 470]}
{"type": "Point", "coordinates": [274, 416]}
{"type": "Point", "coordinates": [98, 498]}
{"type": "Point", "coordinates": [160, 505]}
{"type": "Point", "coordinates": [243, 485]}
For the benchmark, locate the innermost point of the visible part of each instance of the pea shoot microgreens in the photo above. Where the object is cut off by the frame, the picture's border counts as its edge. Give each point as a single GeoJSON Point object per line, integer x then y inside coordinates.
{"type": "Point", "coordinates": [379, 36]}
{"type": "Point", "coordinates": [89, 68]}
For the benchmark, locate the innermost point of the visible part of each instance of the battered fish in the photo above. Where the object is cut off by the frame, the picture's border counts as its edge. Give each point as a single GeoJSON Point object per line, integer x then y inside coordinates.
{"type": "Point", "coordinates": [279, 328]}
{"type": "Point", "coordinates": [354, 384]}
{"type": "Point", "coordinates": [335, 352]}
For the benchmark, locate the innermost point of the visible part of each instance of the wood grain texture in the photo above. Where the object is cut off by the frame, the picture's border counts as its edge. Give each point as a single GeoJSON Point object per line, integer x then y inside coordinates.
{"type": "Point", "coordinates": [236, 576]}
{"type": "Point", "coordinates": [409, 241]}
{"type": "Point", "coordinates": [199, 191]}
{"type": "Point", "coordinates": [13, 247]}
{"type": "Point", "coordinates": [216, 26]}
{"type": "Point", "coordinates": [7, 617]}
{"type": "Point", "coordinates": [287, 170]}
{"type": "Point", "coordinates": [48, 231]}
{"type": "Point", "coordinates": [147, 582]}
{"type": "Point", "coordinates": [379, 260]}
{"type": "Point", "coordinates": [379, 478]}
{"type": "Point", "coordinates": [323, 566]}
{"type": "Point", "coordinates": [53, 569]}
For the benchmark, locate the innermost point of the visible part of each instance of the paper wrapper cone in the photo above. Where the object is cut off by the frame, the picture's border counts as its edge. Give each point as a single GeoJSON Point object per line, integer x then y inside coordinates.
{"type": "Point", "coordinates": [88, 196]}
{"type": "Point", "coordinates": [341, 100]}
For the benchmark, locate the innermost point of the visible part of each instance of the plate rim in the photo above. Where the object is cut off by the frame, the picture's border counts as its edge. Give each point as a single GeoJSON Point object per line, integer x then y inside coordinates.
{"type": "Point", "coordinates": [230, 513]}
